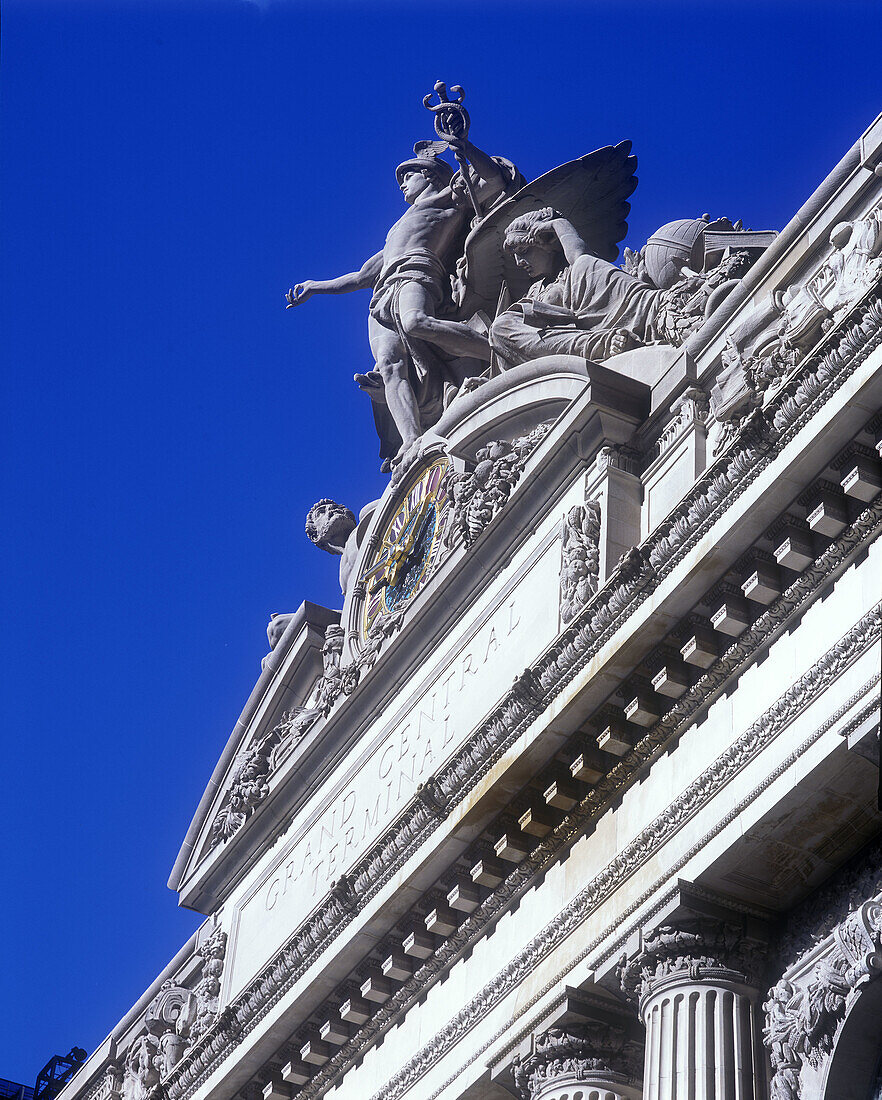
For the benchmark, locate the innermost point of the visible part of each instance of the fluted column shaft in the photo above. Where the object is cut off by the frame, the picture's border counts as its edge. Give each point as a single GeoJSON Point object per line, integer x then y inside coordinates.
{"type": "Point", "coordinates": [697, 988]}
{"type": "Point", "coordinates": [701, 1038]}
{"type": "Point", "coordinates": [599, 1089]}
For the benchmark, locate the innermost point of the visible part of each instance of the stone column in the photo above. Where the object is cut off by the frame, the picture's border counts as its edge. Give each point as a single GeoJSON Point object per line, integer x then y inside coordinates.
{"type": "Point", "coordinates": [698, 990]}
{"type": "Point", "coordinates": [594, 1061]}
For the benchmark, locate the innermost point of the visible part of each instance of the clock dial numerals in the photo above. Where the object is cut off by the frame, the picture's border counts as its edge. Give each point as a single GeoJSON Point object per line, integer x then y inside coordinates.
{"type": "Point", "coordinates": [410, 547]}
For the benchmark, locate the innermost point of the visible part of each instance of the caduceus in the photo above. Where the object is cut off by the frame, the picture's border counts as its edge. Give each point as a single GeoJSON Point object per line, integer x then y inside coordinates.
{"type": "Point", "coordinates": [452, 124]}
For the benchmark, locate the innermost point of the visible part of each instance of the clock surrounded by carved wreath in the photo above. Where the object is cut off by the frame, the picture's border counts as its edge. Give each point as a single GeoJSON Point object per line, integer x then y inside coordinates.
{"type": "Point", "coordinates": [410, 545]}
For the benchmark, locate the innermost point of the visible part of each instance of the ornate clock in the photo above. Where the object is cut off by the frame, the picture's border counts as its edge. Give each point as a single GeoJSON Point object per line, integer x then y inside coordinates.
{"type": "Point", "coordinates": [410, 545]}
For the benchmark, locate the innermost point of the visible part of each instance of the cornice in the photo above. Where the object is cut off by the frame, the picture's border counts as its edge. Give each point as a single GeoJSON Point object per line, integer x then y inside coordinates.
{"type": "Point", "coordinates": [819, 375]}
{"type": "Point", "coordinates": [297, 957]}
{"type": "Point", "coordinates": [639, 851]}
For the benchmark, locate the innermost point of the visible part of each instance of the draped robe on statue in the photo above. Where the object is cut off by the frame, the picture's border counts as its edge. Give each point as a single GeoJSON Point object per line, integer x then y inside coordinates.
{"type": "Point", "coordinates": [606, 301]}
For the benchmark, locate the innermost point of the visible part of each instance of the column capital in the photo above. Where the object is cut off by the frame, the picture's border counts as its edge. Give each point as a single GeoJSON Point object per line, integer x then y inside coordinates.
{"type": "Point", "coordinates": [699, 936]}
{"type": "Point", "coordinates": [696, 950]}
{"type": "Point", "coordinates": [598, 1053]}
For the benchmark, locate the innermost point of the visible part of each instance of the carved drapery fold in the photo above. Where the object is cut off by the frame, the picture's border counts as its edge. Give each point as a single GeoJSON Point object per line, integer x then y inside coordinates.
{"type": "Point", "coordinates": [596, 1059]}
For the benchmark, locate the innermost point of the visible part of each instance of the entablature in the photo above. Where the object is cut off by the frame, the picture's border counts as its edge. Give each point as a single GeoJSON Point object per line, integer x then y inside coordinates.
{"type": "Point", "coordinates": [679, 513]}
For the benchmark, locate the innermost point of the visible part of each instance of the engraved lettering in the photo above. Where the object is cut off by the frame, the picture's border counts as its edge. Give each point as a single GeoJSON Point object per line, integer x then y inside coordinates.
{"type": "Point", "coordinates": [428, 715]}
{"type": "Point", "coordinates": [386, 761]}
{"type": "Point", "coordinates": [466, 667]}
{"type": "Point", "coordinates": [404, 748]}
{"type": "Point", "coordinates": [347, 808]}
{"type": "Point", "coordinates": [407, 778]}
{"type": "Point", "coordinates": [437, 717]}
{"type": "Point", "coordinates": [371, 822]}
{"type": "Point", "coordinates": [445, 683]}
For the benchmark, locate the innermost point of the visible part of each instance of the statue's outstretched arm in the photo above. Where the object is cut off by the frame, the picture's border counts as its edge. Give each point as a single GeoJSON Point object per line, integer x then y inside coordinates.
{"type": "Point", "coordinates": [491, 181]}
{"type": "Point", "coordinates": [482, 162]}
{"type": "Point", "coordinates": [363, 279]}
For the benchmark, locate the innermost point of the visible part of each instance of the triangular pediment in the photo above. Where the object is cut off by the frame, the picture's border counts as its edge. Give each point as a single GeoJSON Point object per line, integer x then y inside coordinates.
{"type": "Point", "coordinates": [270, 728]}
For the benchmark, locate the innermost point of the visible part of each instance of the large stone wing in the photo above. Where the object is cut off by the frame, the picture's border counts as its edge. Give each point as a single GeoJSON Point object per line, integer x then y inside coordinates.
{"type": "Point", "coordinates": [591, 192]}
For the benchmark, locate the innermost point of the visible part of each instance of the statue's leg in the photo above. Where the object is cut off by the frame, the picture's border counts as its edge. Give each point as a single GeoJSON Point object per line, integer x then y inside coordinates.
{"type": "Point", "coordinates": [391, 363]}
{"type": "Point", "coordinates": [416, 308]}
{"type": "Point", "coordinates": [514, 340]}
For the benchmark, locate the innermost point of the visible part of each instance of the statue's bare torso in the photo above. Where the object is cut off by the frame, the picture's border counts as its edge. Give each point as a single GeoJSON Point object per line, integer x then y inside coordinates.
{"type": "Point", "coordinates": [433, 224]}
{"type": "Point", "coordinates": [410, 281]}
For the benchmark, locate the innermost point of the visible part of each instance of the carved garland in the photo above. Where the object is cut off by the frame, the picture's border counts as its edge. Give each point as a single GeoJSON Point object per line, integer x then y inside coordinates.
{"type": "Point", "coordinates": [629, 585]}
{"type": "Point", "coordinates": [478, 495]}
{"type": "Point", "coordinates": [254, 765]}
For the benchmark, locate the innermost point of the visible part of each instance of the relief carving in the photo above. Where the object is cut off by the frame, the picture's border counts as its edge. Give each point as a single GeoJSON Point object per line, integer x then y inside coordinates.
{"type": "Point", "coordinates": [803, 1014]}
{"type": "Point", "coordinates": [111, 1083]}
{"type": "Point", "coordinates": [690, 408]}
{"type": "Point", "coordinates": [175, 1019]}
{"type": "Point", "coordinates": [805, 313]}
{"type": "Point", "coordinates": [698, 945]}
{"type": "Point", "coordinates": [579, 1053]}
{"type": "Point", "coordinates": [478, 495]}
{"type": "Point", "coordinates": [207, 990]}
{"type": "Point", "coordinates": [249, 786]}
{"type": "Point", "coordinates": [580, 558]}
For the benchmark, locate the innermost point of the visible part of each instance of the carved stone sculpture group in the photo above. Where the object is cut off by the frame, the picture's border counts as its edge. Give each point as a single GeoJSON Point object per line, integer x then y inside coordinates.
{"type": "Point", "coordinates": [484, 272]}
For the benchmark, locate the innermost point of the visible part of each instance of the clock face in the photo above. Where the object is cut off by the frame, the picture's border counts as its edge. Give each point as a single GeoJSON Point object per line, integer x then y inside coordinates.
{"type": "Point", "coordinates": [410, 546]}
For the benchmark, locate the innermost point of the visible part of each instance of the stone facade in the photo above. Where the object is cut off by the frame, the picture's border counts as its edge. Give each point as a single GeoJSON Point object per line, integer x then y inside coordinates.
{"type": "Point", "coordinates": [578, 793]}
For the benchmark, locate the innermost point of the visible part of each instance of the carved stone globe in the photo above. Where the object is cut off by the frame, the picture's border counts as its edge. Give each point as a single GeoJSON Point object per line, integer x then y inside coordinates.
{"type": "Point", "coordinates": [673, 246]}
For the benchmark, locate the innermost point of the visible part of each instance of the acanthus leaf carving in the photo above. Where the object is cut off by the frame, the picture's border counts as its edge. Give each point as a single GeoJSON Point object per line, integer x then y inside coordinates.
{"type": "Point", "coordinates": [577, 1053]}
{"type": "Point", "coordinates": [691, 947]}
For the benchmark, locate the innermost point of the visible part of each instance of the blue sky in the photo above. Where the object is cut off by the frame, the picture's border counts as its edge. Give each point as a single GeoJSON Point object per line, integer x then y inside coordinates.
{"type": "Point", "coordinates": [169, 169]}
